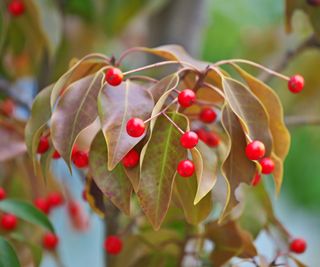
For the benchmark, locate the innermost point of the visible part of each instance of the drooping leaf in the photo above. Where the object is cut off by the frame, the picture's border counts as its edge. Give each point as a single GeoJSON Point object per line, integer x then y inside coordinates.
{"type": "Point", "coordinates": [114, 184]}
{"type": "Point", "coordinates": [249, 110]}
{"type": "Point", "coordinates": [8, 257]}
{"type": "Point", "coordinates": [279, 131]}
{"type": "Point", "coordinates": [75, 111]}
{"type": "Point", "coordinates": [11, 142]}
{"type": "Point", "coordinates": [116, 106]}
{"type": "Point", "coordinates": [206, 179]}
{"type": "Point", "coordinates": [184, 194]}
{"type": "Point", "coordinates": [27, 212]}
{"type": "Point", "coordinates": [40, 115]}
{"type": "Point", "coordinates": [230, 241]}
{"type": "Point", "coordinates": [236, 168]}
{"type": "Point", "coordinates": [45, 162]}
{"type": "Point", "coordinates": [164, 85]}
{"type": "Point", "coordinates": [162, 154]}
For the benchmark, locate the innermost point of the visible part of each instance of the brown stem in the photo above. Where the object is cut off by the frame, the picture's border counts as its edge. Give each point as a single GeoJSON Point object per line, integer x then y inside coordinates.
{"type": "Point", "coordinates": [162, 111]}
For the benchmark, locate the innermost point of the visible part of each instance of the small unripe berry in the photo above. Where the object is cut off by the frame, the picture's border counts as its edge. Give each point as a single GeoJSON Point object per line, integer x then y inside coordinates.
{"type": "Point", "coordinates": [113, 245]}
{"type": "Point", "coordinates": [16, 8]}
{"type": "Point", "coordinates": [135, 127]}
{"type": "Point", "coordinates": [114, 76]}
{"type": "Point", "coordinates": [55, 199]}
{"type": "Point", "coordinates": [80, 159]}
{"type": "Point", "coordinates": [313, 2]}
{"type": "Point", "coordinates": [189, 139]}
{"type": "Point", "coordinates": [131, 160]}
{"type": "Point", "coordinates": [9, 222]}
{"type": "Point", "coordinates": [2, 193]}
{"type": "Point", "coordinates": [43, 145]}
{"type": "Point", "coordinates": [296, 83]}
{"type": "Point", "coordinates": [186, 98]}
{"type": "Point", "coordinates": [256, 179]}
{"type": "Point", "coordinates": [42, 204]}
{"type": "Point", "coordinates": [186, 168]}
{"type": "Point", "coordinates": [207, 115]}
{"type": "Point", "coordinates": [255, 150]}
{"type": "Point", "coordinates": [267, 165]}
{"type": "Point", "coordinates": [298, 245]}
{"type": "Point", "coordinates": [50, 241]}
{"type": "Point", "coordinates": [56, 155]}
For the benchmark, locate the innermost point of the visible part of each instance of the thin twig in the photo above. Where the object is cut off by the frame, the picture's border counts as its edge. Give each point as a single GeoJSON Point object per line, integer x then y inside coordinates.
{"type": "Point", "coordinates": [173, 123]}
{"type": "Point", "coordinates": [162, 111]}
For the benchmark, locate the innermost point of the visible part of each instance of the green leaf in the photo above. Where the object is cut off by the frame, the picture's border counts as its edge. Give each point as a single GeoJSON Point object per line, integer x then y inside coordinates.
{"type": "Point", "coordinates": [207, 175]}
{"type": "Point", "coordinates": [161, 156]}
{"type": "Point", "coordinates": [279, 131]}
{"type": "Point", "coordinates": [40, 115]}
{"type": "Point", "coordinates": [236, 168]}
{"type": "Point", "coordinates": [8, 257]}
{"type": "Point", "coordinates": [76, 110]}
{"type": "Point", "coordinates": [114, 184]}
{"type": "Point", "coordinates": [250, 112]}
{"type": "Point", "coordinates": [183, 195]}
{"type": "Point", "coordinates": [27, 212]}
{"type": "Point", "coordinates": [116, 106]}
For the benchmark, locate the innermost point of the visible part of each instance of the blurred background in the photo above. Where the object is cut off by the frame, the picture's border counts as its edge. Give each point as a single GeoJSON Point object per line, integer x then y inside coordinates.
{"type": "Point", "coordinates": [208, 29]}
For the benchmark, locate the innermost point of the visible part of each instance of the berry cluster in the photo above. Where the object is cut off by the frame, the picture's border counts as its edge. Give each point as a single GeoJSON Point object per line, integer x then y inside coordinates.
{"type": "Point", "coordinates": [46, 204]}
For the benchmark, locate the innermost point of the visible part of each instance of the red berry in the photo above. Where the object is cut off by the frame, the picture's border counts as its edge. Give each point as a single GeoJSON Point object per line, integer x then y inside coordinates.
{"type": "Point", "coordinates": [213, 139]}
{"type": "Point", "coordinates": [43, 145]}
{"type": "Point", "coordinates": [135, 127]}
{"type": "Point", "coordinates": [131, 160]}
{"type": "Point", "coordinates": [298, 245]}
{"type": "Point", "coordinates": [256, 179]}
{"type": "Point", "coordinates": [296, 83]}
{"type": "Point", "coordinates": [202, 134]}
{"type": "Point", "coordinates": [267, 165]}
{"type": "Point", "coordinates": [186, 98]}
{"type": "Point", "coordinates": [80, 159]}
{"type": "Point", "coordinates": [114, 76]}
{"type": "Point", "coordinates": [313, 2]}
{"type": "Point", "coordinates": [7, 107]}
{"type": "Point", "coordinates": [55, 199]}
{"type": "Point", "coordinates": [255, 150]}
{"type": "Point", "coordinates": [56, 155]}
{"type": "Point", "coordinates": [189, 139]}
{"type": "Point", "coordinates": [16, 8]}
{"type": "Point", "coordinates": [74, 208]}
{"type": "Point", "coordinates": [113, 245]}
{"type": "Point", "coordinates": [207, 115]}
{"type": "Point", "coordinates": [50, 241]}
{"type": "Point", "coordinates": [2, 193]}
{"type": "Point", "coordinates": [185, 168]}
{"type": "Point", "coordinates": [42, 204]}
{"type": "Point", "coordinates": [9, 222]}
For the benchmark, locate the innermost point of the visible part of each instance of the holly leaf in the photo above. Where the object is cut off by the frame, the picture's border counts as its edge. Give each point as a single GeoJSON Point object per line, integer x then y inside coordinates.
{"type": "Point", "coordinates": [40, 115]}
{"type": "Point", "coordinates": [8, 257]}
{"type": "Point", "coordinates": [162, 154]}
{"type": "Point", "coordinates": [26, 212]}
{"type": "Point", "coordinates": [236, 168]}
{"type": "Point", "coordinates": [249, 110]}
{"type": "Point", "coordinates": [116, 106]}
{"type": "Point", "coordinates": [76, 110]}
{"type": "Point", "coordinates": [114, 184]}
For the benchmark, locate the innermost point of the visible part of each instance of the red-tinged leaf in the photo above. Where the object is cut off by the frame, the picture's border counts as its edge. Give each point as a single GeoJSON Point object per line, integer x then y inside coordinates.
{"type": "Point", "coordinates": [165, 84]}
{"type": "Point", "coordinates": [161, 156]}
{"type": "Point", "coordinates": [183, 196]}
{"type": "Point", "coordinates": [272, 104]}
{"type": "Point", "coordinates": [237, 168]}
{"type": "Point", "coordinates": [94, 197]}
{"type": "Point", "coordinates": [11, 142]}
{"type": "Point", "coordinates": [207, 175]}
{"type": "Point", "coordinates": [75, 111]}
{"type": "Point", "coordinates": [116, 106]}
{"type": "Point", "coordinates": [40, 115]}
{"type": "Point", "coordinates": [89, 64]}
{"type": "Point", "coordinates": [114, 184]}
{"type": "Point", "coordinates": [250, 111]}
{"type": "Point", "coordinates": [230, 241]}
